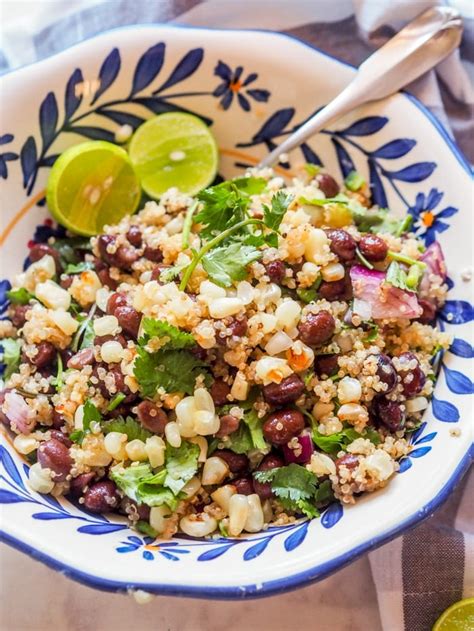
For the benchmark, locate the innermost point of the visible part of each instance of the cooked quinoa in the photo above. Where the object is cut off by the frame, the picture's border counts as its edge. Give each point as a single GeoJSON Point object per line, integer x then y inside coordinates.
{"type": "Point", "coordinates": [226, 363]}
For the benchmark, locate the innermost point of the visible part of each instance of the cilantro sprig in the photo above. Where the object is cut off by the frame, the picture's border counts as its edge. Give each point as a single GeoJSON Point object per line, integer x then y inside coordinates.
{"type": "Point", "coordinates": [19, 296]}
{"type": "Point", "coordinates": [333, 443]}
{"type": "Point", "coordinates": [172, 367]}
{"type": "Point", "coordinates": [10, 356]}
{"type": "Point", "coordinates": [90, 414]}
{"type": "Point", "coordinates": [296, 488]}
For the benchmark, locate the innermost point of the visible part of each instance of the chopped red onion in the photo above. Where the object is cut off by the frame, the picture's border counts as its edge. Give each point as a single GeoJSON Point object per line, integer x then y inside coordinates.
{"type": "Point", "coordinates": [434, 259]}
{"type": "Point", "coordinates": [378, 300]}
{"type": "Point", "coordinates": [17, 412]}
{"type": "Point", "coordinates": [303, 451]}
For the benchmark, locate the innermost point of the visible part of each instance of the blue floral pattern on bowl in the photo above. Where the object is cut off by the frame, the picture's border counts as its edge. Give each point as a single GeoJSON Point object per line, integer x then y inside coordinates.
{"type": "Point", "coordinates": [154, 87]}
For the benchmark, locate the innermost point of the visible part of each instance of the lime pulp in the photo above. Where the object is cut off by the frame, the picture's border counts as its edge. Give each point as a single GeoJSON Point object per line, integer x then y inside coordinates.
{"type": "Point", "coordinates": [458, 617]}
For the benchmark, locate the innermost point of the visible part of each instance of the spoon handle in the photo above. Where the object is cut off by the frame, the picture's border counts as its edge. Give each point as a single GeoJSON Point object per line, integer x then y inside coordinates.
{"type": "Point", "coordinates": [419, 46]}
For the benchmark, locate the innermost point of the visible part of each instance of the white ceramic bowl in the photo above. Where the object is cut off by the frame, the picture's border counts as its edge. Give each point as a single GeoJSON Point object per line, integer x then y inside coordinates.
{"type": "Point", "coordinates": [254, 87]}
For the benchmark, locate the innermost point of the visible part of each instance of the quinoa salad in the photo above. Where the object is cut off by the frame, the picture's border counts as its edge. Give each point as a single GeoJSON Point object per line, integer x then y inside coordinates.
{"type": "Point", "coordinates": [224, 363]}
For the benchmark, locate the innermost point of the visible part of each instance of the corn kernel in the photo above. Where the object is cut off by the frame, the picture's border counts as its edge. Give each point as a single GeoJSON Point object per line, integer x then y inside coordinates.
{"type": "Point", "coordinates": [136, 450]}
{"type": "Point", "coordinates": [155, 450]}
{"type": "Point", "coordinates": [106, 325]}
{"type": "Point", "coordinates": [172, 434]}
{"type": "Point", "coordinates": [272, 369]}
{"type": "Point", "coordinates": [215, 470]}
{"type": "Point", "coordinates": [349, 390]}
{"type": "Point", "coordinates": [112, 352]}
{"type": "Point", "coordinates": [25, 444]}
{"type": "Point", "coordinates": [53, 296]}
{"type": "Point", "coordinates": [114, 445]}
{"type": "Point", "coordinates": [238, 513]}
{"type": "Point", "coordinates": [224, 307]}
{"type": "Point", "coordinates": [333, 272]}
{"type": "Point", "coordinates": [288, 314]}
{"type": "Point", "coordinates": [199, 525]}
{"type": "Point", "coordinates": [40, 479]}
{"type": "Point", "coordinates": [317, 246]}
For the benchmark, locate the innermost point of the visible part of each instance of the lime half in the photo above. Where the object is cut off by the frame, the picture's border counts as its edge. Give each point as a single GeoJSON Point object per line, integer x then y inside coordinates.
{"type": "Point", "coordinates": [174, 150]}
{"type": "Point", "coordinates": [92, 184]}
{"type": "Point", "coordinates": [458, 617]}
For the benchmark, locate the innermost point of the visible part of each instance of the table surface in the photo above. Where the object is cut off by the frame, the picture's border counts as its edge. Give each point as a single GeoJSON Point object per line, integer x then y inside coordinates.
{"type": "Point", "coordinates": [35, 598]}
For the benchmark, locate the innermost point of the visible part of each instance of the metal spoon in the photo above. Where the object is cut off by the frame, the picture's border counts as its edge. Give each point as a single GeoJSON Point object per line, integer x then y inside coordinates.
{"type": "Point", "coordinates": [417, 48]}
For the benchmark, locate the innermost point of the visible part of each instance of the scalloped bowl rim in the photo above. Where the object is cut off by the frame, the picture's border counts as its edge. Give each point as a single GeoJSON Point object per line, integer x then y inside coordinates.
{"type": "Point", "coordinates": [320, 570]}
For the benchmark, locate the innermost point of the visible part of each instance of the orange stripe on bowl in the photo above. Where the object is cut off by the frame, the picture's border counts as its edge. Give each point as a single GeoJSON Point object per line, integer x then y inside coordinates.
{"type": "Point", "coordinates": [20, 214]}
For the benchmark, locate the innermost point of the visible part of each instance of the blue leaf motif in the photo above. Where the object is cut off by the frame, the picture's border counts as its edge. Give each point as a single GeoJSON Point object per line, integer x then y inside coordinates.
{"type": "Point", "coordinates": [28, 157]}
{"type": "Point", "coordinates": [457, 312]}
{"type": "Point", "coordinates": [10, 467]}
{"type": "Point", "coordinates": [100, 529]}
{"type": "Point", "coordinates": [124, 549]}
{"type": "Point", "coordinates": [296, 538]}
{"type": "Point", "coordinates": [418, 432]}
{"type": "Point", "coordinates": [48, 161]}
{"type": "Point", "coordinates": [50, 516]}
{"type": "Point", "coordinates": [53, 502]}
{"type": "Point", "coordinates": [426, 439]}
{"type": "Point", "coordinates": [147, 555]}
{"type": "Point", "coordinates": [214, 553]}
{"type": "Point", "coordinates": [261, 96]}
{"type": "Point", "coordinates": [332, 515]}
{"type": "Point", "coordinates": [378, 192]}
{"type": "Point", "coordinates": [48, 117]}
{"type": "Point", "coordinates": [394, 149]}
{"type": "Point", "coordinates": [73, 95]}
{"type": "Point", "coordinates": [256, 550]}
{"type": "Point", "coordinates": [184, 69]}
{"type": "Point", "coordinates": [418, 453]}
{"type": "Point", "coordinates": [123, 118]}
{"type": "Point", "coordinates": [7, 497]}
{"type": "Point", "coordinates": [457, 382]}
{"type": "Point", "coordinates": [345, 162]}
{"type": "Point", "coordinates": [135, 540]}
{"type": "Point", "coordinates": [170, 557]}
{"type": "Point", "coordinates": [445, 411]}
{"type": "Point", "coordinates": [108, 73]}
{"type": "Point", "coordinates": [159, 106]}
{"type": "Point", "coordinates": [310, 156]}
{"type": "Point", "coordinates": [273, 126]}
{"type": "Point", "coordinates": [149, 65]}
{"type": "Point", "coordinates": [94, 133]}
{"type": "Point", "coordinates": [413, 173]}
{"type": "Point", "coordinates": [26, 470]}
{"type": "Point", "coordinates": [461, 348]}
{"type": "Point", "coordinates": [405, 464]}
{"type": "Point", "coordinates": [6, 138]}
{"type": "Point", "coordinates": [365, 126]}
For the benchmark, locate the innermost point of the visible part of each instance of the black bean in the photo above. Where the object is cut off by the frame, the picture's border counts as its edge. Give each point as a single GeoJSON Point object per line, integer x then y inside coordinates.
{"type": "Point", "coordinates": [386, 372]}
{"type": "Point", "coordinates": [282, 426]}
{"type": "Point", "coordinates": [237, 463]}
{"type": "Point", "coordinates": [40, 250]}
{"type": "Point", "coordinates": [244, 486]}
{"type": "Point", "coordinates": [429, 311]}
{"type": "Point", "coordinates": [390, 414]}
{"type": "Point", "coordinates": [45, 356]}
{"type": "Point", "coordinates": [317, 328]}
{"type": "Point", "coordinates": [101, 497]}
{"type": "Point", "coordinates": [347, 460]}
{"type": "Point", "coordinates": [153, 254]}
{"type": "Point", "coordinates": [84, 357]}
{"type": "Point", "coordinates": [219, 391]}
{"type": "Point", "coordinates": [327, 184]}
{"type": "Point", "coordinates": [287, 391]}
{"type": "Point", "coordinates": [336, 290]}
{"type": "Point", "coordinates": [134, 236]}
{"type": "Point", "coordinates": [18, 314]}
{"type": "Point", "coordinates": [276, 271]}
{"type": "Point", "coordinates": [129, 319]}
{"type": "Point", "coordinates": [326, 365]}
{"type": "Point", "coordinates": [78, 485]}
{"type": "Point", "coordinates": [342, 244]}
{"type": "Point", "coordinates": [413, 379]}
{"type": "Point", "coordinates": [229, 425]}
{"type": "Point", "coordinates": [152, 417]}
{"type": "Point", "coordinates": [54, 455]}
{"type": "Point", "coordinates": [118, 299]}
{"type": "Point", "coordinates": [373, 247]}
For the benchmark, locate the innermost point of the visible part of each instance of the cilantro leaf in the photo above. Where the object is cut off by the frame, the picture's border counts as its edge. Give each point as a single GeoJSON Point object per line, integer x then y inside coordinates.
{"type": "Point", "coordinates": [127, 479]}
{"type": "Point", "coordinates": [272, 216]}
{"type": "Point", "coordinates": [129, 426]}
{"type": "Point", "coordinates": [226, 204]}
{"type": "Point", "coordinates": [174, 338]}
{"type": "Point", "coordinates": [227, 263]}
{"type": "Point", "coordinates": [312, 169]}
{"type": "Point", "coordinates": [240, 441]}
{"type": "Point", "coordinates": [255, 425]}
{"type": "Point", "coordinates": [339, 199]}
{"type": "Point", "coordinates": [181, 465]}
{"type": "Point", "coordinates": [10, 355]}
{"type": "Point", "coordinates": [333, 443]}
{"type": "Point", "coordinates": [300, 506]}
{"type": "Point", "coordinates": [398, 277]}
{"type": "Point", "coordinates": [372, 334]}
{"type": "Point", "coordinates": [146, 529]}
{"type": "Point", "coordinates": [168, 275]}
{"type": "Point", "coordinates": [68, 248]}
{"type": "Point", "coordinates": [20, 296]}
{"type": "Point", "coordinates": [366, 219]}
{"type": "Point", "coordinates": [153, 493]}
{"type": "Point", "coordinates": [91, 414]}
{"type": "Point", "coordinates": [77, 268]}
{"type": "Point", "coordinates": [143, 486]}
{"type": "Point", "coordinates": [175, 371]}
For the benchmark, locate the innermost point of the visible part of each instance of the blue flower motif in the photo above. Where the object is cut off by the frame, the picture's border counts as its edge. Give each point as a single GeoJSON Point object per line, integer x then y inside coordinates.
{"type": "Point", "coordinates": [6, 157]}
{"type": "Point", "coordinates": [233, 85]}
{"type": "Point", "coordinates": [149, 548]}
{"type": "Point", "coordinates": [426, 220]}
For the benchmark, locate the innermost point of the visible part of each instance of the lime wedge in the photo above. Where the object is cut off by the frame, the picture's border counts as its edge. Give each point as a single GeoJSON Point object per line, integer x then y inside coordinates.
{"type": "Point", "coordinates": [90, 185]}
{"type": "Point", "coordinates": [174, 150]}
{"type": "Point", "coordinates": [458, 617]}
